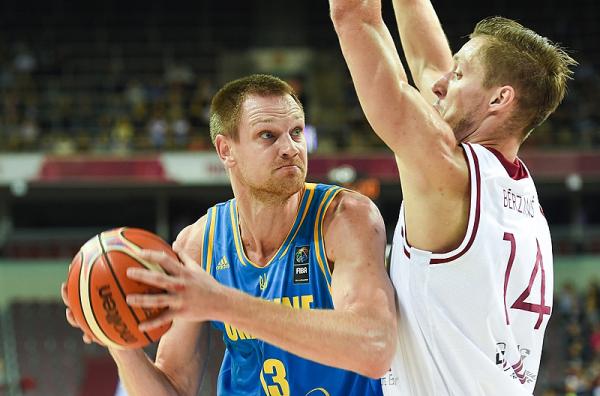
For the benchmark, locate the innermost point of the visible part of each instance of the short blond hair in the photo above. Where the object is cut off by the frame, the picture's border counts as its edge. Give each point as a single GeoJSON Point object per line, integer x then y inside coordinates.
{"type": "Point", "coordinates": [537, 68]}
{"type": "Point", "coordinates": [227, 102]}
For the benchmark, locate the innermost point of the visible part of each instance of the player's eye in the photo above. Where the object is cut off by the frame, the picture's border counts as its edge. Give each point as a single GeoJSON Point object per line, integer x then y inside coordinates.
{"type": "Point", "coordinates": [266, 135]}
{"type": "Point", "coordinates": [297, 132]}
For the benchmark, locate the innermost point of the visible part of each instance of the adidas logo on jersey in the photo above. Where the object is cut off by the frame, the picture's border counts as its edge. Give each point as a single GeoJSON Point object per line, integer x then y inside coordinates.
{"type": "Point", "coordinates": [223, 264]}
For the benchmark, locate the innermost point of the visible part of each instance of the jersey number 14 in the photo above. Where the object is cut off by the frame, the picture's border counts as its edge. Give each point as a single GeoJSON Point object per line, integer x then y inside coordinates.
{"type": "Point", "coordinates": [541, 309]}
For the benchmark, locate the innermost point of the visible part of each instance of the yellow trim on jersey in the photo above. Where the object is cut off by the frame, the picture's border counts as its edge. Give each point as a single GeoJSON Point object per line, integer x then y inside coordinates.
{"type": "Point", "coordinates": [311, 192]}
{"type": "Point", "coordinates": [303, 207]}
{"type": "Point", "coordinates": [322, 245]}
{"type": "Point", "coordinates": [235, 231]}
{"type": "Point", "coordinates": [211, 240]}
{"type": "Point", "coordinates": [323, 390]}
{"type": "Point", "coordinates": [318, 238]}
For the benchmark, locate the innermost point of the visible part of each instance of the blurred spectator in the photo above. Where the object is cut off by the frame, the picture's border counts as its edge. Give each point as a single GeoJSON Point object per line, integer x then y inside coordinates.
{"type": "Point", "coordinates": [24, 61]}
{"type": "Point", "coordinates": [122, 135]}
{"type": "Point", "coordinates": [29, 133]}
{"type": "Point", "coordinates": [200, 104]}
{"type": "Point", "coordinates": [157, 130]}
{"type": "Point", "coordinates": [181, 129]}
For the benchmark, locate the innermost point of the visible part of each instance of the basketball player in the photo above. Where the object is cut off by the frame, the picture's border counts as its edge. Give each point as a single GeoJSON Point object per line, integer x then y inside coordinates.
{"type": "Point", "coordinates": [472, 257]}
{"type": "Point", "coordinates": [290, 272]}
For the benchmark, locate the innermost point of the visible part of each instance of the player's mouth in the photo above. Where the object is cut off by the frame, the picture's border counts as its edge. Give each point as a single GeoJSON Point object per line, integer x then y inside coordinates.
{"type": "Point", "coordinates": [290, 166]}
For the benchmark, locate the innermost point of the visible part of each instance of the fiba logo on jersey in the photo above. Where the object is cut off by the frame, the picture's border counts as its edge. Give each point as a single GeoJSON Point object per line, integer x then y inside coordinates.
{"type": "Point", "coordinates": [301, 255]}
{"type": "Point", "coordinates": [301, 258]}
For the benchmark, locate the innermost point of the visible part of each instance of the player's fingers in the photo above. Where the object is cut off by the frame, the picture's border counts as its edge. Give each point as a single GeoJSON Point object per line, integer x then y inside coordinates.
{"type": "Point", "coordinates": [70, 318]}
{"type": "Point", "coordinates": [157, 279]}
{"type": "Point", "coordinates": [162, 319]}
{"type": "Point", "coordinates": [152, 300]}
{"type": "Point", "coordinates": [161, 258]}
{"type": "Point", "coordinates": [188, 261]}
{"type": "Point", "coordinates": [63, 293]}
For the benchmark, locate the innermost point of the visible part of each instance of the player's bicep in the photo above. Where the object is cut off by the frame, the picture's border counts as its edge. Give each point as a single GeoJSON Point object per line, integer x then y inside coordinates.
{"type": "Point", "coordinates": [439, 171]}
{"type": "Point", "coordinates": [355, 240]}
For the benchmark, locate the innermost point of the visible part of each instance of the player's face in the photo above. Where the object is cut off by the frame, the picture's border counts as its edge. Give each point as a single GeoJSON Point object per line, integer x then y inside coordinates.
{"type": "Point", "coordinates": [462, 99]}
{"type": "Point", "coordinates": [271, 152]}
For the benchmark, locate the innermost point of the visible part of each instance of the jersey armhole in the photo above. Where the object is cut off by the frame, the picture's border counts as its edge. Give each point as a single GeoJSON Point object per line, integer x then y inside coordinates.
{"type": "Point", "coordinates": [474, 213]}
{"type": "Point", "coordinates": [319, 240]}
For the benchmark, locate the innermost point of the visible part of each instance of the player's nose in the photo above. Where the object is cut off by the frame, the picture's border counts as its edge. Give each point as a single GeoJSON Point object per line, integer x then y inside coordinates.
{"type": "Point", "coordinates": [288, 147]}
{"type": "Point", "coordinates": [440, 87]}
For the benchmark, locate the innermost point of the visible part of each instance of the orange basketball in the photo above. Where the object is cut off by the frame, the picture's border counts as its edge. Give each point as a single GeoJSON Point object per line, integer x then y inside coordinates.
{"type": "Point", "coordinates": [97, 285]}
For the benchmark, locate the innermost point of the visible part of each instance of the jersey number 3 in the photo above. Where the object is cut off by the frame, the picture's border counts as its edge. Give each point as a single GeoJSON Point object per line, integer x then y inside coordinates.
{"type": "Point", "coordinates": [541, 309]}
{"type": "Point", "coordinates": [276, 369]}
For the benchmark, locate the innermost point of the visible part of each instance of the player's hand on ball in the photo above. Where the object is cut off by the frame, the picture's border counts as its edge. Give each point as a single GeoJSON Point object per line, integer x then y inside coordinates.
{"type": "Point", "coordinates": [69, 314]}
{"type": "Point", "coordinates": [191, 292]}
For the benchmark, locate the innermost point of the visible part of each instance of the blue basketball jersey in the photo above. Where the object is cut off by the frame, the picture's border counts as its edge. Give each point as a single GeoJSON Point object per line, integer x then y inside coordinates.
{"type": "Point", "coordinates": [297, 276]}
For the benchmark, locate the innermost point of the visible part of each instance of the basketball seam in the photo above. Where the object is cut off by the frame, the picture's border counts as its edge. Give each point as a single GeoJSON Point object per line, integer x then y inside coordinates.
{"type": "Point", "coordinates": [90, 294]}
{"type": "Point", "coordinates": [122, 234]}
{"type": "Point", "coordinates": [121, 288]}
{"type": "Point", "coordinates": [79, 296]}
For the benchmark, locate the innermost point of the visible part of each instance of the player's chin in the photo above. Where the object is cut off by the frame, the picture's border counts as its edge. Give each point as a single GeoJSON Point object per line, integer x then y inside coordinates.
{"type": "Point", "coordinates": [290, 184]}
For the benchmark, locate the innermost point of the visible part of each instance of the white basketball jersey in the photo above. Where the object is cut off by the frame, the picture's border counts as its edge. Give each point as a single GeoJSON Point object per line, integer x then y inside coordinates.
{"type": "Point", "coordinates": [472, 321]}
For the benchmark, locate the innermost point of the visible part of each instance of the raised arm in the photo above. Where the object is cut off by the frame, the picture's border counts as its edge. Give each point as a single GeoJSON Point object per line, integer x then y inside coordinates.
{"type": "Point", "coordinates": [432, 167]}
{"type": "Point", "coordinates": [423, 42]}
{"type": "Point", "coordinates": [405, 121]}
{"type": "Point", "coordinates": [358, 335]}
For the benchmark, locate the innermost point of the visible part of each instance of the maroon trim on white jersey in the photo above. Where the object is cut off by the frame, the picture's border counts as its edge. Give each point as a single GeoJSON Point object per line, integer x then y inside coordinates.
{"type": "Point", "coordinates": [518, 370]}
{"type": "Point", "coordinates": [477, 215]}
{"type": "Point", "coordinates": [516, 170]}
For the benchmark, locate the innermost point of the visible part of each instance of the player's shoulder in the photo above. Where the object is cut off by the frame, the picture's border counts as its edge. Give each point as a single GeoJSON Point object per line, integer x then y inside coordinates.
{"type": "Point", "coordinates": [354, 207]}
{"type": "Point", "coordinates": [189, 239]}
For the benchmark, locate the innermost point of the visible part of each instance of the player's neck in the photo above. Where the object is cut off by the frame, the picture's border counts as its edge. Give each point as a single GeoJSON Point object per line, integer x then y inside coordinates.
{"type": "Point", "coordinates": [264, 225]}
{"type": "Point", "coordinates": [505, 142]}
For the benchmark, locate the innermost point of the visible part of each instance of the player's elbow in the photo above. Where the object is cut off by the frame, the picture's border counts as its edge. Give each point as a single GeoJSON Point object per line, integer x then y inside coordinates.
{"type": "Point", "coordinates": [347, 13]}
{"type": "Point", "coordinates": [381, 350]}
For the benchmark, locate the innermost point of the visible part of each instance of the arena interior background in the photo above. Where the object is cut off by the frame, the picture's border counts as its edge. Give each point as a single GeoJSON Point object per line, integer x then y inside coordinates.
{"type": "Point", "coordinates": [103, 123]}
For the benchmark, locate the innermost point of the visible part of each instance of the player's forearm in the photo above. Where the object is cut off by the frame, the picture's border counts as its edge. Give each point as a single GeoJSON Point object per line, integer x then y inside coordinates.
{"type": "Point", "coordinates": [140, 376]}
{"type": "Point", "coordinates": [423, 40]}
{"type": "Point", "coordinates": [361, 342]}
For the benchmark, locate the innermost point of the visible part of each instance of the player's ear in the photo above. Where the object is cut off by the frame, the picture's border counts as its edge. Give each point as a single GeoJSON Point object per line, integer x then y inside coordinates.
{"type": "Point", "coordinates": [502, 98]}
{"type": "Point", "coordinates": [223, 146]}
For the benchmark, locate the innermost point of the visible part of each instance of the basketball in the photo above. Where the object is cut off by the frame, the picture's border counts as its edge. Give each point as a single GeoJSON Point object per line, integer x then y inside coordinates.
{"type": "Point", "coordinates": [97, 285]}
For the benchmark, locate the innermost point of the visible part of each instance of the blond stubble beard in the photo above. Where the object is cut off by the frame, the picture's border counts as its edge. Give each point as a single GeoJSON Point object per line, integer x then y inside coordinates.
{"type": "Point", "coordinates": [275, 190]}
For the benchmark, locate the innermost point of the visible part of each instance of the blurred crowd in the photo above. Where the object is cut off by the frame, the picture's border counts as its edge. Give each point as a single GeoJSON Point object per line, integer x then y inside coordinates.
{"type": "Point", "coordinates": [43, 107]}
{"type": "Point", "coordinates": [40, 111]}
{"type": "Point", "coordinates": [575, 336]}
